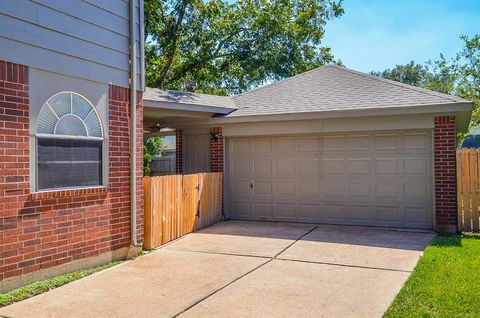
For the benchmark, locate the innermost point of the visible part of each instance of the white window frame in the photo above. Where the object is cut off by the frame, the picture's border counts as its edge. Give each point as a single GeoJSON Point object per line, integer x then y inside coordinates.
{"type": "Point", "coordinates": [38, 136]}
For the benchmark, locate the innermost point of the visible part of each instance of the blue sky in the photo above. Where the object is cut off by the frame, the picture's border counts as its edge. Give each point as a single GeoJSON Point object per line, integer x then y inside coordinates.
{"type": "Point", "coordinates": [378, 34]}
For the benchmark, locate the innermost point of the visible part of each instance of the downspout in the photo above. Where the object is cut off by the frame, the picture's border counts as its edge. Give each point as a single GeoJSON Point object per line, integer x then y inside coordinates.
{"type": "Point", "coordinates": [133, 127]}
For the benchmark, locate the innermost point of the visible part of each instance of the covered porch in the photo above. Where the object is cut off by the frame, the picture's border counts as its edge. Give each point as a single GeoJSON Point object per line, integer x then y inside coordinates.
{"type": "Point", "coordinates": [195, 148]}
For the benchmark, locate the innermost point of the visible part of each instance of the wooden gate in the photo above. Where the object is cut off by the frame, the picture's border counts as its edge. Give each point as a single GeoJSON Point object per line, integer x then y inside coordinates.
{"type": "Point", "coordinates": [468, 172]}
{"type": "Point", "coordinates": [179, 204]}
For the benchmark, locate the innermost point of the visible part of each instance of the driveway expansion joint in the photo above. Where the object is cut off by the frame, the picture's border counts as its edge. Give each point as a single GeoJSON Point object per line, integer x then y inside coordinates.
{"type": "Point", "coordinates": [345, 265]}
{"type": "Point", "coordinates": [270, 259]}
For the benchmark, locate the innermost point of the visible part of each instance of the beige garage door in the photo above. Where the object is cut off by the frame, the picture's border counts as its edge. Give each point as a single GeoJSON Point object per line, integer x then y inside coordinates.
{"type": "Point", "coordinates": [380, 179]}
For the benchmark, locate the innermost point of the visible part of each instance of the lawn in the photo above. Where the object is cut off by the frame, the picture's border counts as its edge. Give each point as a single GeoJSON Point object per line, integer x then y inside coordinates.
{"type": "Point", "coordinates": [445, 282]}
{"type": "Point", "coordinates": [42, 286]}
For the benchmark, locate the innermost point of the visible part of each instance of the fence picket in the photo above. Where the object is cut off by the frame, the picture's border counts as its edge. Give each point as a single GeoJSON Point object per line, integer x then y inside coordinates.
{"type": "Point", "coordinates": [459, 191]}
{"type": "Point", "coordinates": [468, 189]}
{"type": "Point", "coordinates": [475, 164]}
{"type": "Point", "coordinates": [172, 203]}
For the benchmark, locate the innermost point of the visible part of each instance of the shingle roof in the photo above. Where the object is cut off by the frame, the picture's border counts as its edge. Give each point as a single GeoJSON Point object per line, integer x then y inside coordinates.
{"type": "Point", "coordinates": [160, 95]}
{"type": "Point", "coordinates": [334, 88]}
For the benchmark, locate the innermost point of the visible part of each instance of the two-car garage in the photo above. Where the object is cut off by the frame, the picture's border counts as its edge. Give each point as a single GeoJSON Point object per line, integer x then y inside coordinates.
{"type": "Point", "coordinates": [373, 178]}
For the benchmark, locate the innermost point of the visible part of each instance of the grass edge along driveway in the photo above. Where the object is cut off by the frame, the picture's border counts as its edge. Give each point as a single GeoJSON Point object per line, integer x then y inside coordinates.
{"type": "Point", "coordinates": [42, 286]}
{"type": "Point", "coordinates": [445, 282]}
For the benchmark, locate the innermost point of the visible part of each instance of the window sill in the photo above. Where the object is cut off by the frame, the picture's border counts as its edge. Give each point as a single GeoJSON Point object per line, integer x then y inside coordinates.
{"type": "Point", "coordinates": [62, 193]}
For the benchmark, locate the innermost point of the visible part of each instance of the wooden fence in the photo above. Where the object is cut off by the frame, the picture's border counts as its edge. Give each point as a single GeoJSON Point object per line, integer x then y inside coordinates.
{"type": "Point", "coordinates": [179, 204]}
{"type": "Point", "coordinates": [468, 173]}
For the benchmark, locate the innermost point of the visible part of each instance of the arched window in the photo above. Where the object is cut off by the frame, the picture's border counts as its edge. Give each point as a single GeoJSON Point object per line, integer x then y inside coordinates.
{"type": "Point", "coordinates": [69, 139]}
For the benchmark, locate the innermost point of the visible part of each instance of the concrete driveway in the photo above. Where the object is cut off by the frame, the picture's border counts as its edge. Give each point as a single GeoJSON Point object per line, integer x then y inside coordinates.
{"type": "Point", "coordinates": [246, 269]}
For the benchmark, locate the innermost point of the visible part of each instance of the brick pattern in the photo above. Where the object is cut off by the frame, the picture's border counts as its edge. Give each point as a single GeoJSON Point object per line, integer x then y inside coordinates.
{"type": "Point", "coordinates": [216, 149]}
{"type": "Point", "coordinates": [41, 230]}
{"type": "Point", "coordinates": [179, 151]}
{"type": "Point", "coordinates": [119, 154]}
{"type": "Point", "coordinates": [445, 174]}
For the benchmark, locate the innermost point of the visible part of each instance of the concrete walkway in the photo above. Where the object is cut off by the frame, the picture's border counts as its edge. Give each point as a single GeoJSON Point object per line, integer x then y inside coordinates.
{"type": "Point", "coordinates": [245, 269]}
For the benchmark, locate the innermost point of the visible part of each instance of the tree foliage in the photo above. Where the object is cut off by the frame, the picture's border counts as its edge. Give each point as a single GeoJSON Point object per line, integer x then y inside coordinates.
{"type": "Point", "coordinates": [152, 147]}
{"type": "Point", "coordinates": [220, 47]}
{"type": "Point", "coordinates": [459, 76]}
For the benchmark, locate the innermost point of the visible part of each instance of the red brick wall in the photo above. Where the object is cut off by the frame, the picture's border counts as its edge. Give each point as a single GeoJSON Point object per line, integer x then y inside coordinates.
{"type": "Point", "coordinates": [179, 151]}
{"type": "Point", "coordinates": [42, 230]}
{"type": "Point", "coordinates": [445, 174]}
{"type": "Point", "coordinates": [216, 149]}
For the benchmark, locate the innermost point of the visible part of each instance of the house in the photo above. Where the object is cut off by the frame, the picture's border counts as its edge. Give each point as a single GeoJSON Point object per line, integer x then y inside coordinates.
{"type": "Point", "coordinates": [331, 145]}
{"type": "Point", "coordinates": [472, 140]}
{"type": "Point", "coordinates": [165, 164]}
{"type": "Point", "coordinates": [70, 191]}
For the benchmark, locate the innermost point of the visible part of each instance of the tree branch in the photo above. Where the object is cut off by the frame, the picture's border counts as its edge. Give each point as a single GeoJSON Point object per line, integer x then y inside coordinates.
{"type": "Point", "coordinates": [173, 45]}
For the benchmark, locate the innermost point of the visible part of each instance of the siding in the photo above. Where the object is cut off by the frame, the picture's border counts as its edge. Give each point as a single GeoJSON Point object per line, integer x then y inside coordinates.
{"type": "Point", "coordinates": [87, 39]}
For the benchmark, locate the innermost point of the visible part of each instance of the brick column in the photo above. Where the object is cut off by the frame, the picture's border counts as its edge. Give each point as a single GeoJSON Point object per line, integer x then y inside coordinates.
{"type": "Point", "coordinates": [179, 151]}
{"type": "Point", "coordinates": [445, 174]}
{"type": "Point", "coordinates": [216, 149]}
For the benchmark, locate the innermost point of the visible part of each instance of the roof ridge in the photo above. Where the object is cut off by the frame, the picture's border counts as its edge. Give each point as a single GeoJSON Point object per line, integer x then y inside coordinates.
{"type": "Point", "coordinates": [403, 85]}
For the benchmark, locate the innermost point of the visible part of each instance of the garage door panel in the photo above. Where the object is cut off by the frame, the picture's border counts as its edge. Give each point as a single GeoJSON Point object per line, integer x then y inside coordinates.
{"type": "Point", "coordinates": [240, 147]}
{"type": "Point", "coordinates": [285, 188]}
{"type": "Point", "coordinates": [262, 145]}
{"type": "Point", "coordinates": [359, 142]}
{"type": "Point", "coordinates": [286, 168]}
{"type": "Point", "coordinates": [416, 166]}
{"type": "Point", "coordinates": [359, 191]}
{"type": "Point", "coordinates": [417, 215]}
{"type": "Point", "coordinates": [387, 191]}
{"type": "Point", "coordinates": [386, 166]}
{"type": "Point", "coordinates": [240, 187]}
{"type": "Point", "coordinates": [262, 167]}
{"type": "Point", "coordinates": [388, 213]}
{"type": "Point", "coordinates": [417, 141]}
{"type": "Point", "coordinates": [308, 189]}
{"type": "Point", "coordinates": [358, 166]}
{"type": "Point", "coordinates": [263, 210]}
{"type": "Point", "coordinates": [333, 143]}
{"type": "Point", "coordinates": [334, 212]}
{"type": "Point", "coordinates": [381, 178]}
{"type": "Point", "coordinates": [417, 191]}
{"type": "Point", "coordinates": [308, 144]}
{"type": "Point", "coordinates": [309, 166]}
{"type": "Point", "coordinates": [333, 166]}
{"type": "Point", "coordinates": [285, 211]}
{"type": "Point", "coordinates": [386, 142]}
{"type": "Point", "coordinates": [240, 167]}
{"type": "Point", "coordinates": [262, 187]}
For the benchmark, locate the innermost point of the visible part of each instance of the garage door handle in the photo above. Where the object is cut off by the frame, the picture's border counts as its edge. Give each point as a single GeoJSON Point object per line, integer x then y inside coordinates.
{"type": "Point", "coordinates": [252, 187]}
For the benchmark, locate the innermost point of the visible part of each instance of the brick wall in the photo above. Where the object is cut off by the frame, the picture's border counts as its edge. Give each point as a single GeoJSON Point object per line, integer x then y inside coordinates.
{"type": "Point", "coordinates": [216, 149]}
{"type": "Point", "coordinates": [179, 151]}
{"type": "Point", "coordinates": [41, 230]}
{"type": "Point", "coordinates": [445, 174]}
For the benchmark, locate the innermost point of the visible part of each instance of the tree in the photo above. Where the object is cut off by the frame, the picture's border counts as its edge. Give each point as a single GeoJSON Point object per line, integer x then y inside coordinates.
{"type": "Point", "coordinates": [411, 73]}
{"type": "Point", "coordinates": [221, 47]}
{"type": "Point", "coordinates": [459, 76]}
{"type": "Point", "coordinates": [152, 147]}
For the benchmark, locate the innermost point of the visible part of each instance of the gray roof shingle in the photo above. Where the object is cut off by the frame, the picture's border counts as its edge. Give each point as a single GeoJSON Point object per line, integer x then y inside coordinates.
{"type": "Point", "coordinates": [334, 88]}
{"type": "Point", "coordinates": [327, 88]}
{"type": "Point", "coordinates": [160, 95]}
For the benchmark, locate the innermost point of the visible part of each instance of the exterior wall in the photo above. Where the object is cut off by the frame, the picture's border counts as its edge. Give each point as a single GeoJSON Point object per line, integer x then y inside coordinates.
{"type": "Point", "coordinates": [47, 229]}
{"type": "Point", "coordinates": [445, 174]}
{"type": "Point", "coordinates": [179, 151]}
{"type": "Point", "coordinates": [86, 39]}
{"type": "Point", "coordinates": [196, 150]}
{"type": "Point", "coordinates": [216, 149]}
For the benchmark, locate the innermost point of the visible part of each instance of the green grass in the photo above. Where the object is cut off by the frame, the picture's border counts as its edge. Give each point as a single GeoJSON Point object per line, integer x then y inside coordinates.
{"type": "Point", "coordinates": [445, 282]}
{"type": "Point", "coordinates": [48, 284]}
